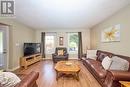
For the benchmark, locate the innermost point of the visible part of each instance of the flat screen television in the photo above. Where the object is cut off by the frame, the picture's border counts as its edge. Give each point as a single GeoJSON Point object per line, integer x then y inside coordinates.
{"type": "Point", "coordinates": [31, 48]}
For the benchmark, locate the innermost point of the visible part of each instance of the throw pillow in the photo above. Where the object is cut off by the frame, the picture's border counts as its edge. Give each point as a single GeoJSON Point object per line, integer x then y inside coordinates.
{"type": "Point", "coordinates": [8, 79]}
{"type": "Point", "coordinates": [60, 52]}
{"type": "Point", "coordinates": [106, 62]}
{"type": "Point", "coordinates": [119, 64]}
{"type": "Point", "coordinates": [101, 56]}
{"type": "Point", "coordinates": [91, 54]}
{"type": "Point", "coordinates": [83, 58]}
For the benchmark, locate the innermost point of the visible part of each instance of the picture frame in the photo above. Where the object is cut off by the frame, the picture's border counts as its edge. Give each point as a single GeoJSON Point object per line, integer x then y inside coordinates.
{"type": "Point", "coordinates": [61, 39]}
{"type": "Point", "coordinates": [111, 34]}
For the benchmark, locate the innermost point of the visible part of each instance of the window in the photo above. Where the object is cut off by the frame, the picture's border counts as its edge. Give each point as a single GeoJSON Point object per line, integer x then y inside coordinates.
{"type": "Point", "coordinates": [73, 43]}
{"type": "Point", "coordinates": [50, 43]}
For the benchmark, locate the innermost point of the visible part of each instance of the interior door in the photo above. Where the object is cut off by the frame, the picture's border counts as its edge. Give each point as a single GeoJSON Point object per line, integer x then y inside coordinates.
{"type": "Point", "coordinates": [3, 48]}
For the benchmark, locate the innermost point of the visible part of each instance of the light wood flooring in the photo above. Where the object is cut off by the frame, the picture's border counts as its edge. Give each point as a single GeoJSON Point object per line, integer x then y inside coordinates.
{"type": "Point", "coordinates": [47, 76]}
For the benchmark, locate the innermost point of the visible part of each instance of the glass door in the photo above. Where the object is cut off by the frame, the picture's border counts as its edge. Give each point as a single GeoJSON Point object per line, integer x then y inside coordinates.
{"type": "Point", "coordinates": [3, 46]}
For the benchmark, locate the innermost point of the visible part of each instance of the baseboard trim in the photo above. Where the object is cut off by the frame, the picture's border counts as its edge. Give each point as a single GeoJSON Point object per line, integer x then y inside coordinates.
{"type": "Point", "coordinates": [13, 69]}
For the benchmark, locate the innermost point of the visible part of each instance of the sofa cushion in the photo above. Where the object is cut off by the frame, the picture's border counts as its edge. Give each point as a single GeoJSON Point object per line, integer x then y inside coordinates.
{"type": "Point", "coordinates": [97, 68]}
{"type": "Point", "coordinates": [60, 57]}
{"type": "Point", "coordinates": [106, 62]}
{"type": "Point", "coordinates": [99, 71]}
{"type": "Point", "coordinates": [92, 54]}
{"type": "Point", "coordinates": [119, 64]}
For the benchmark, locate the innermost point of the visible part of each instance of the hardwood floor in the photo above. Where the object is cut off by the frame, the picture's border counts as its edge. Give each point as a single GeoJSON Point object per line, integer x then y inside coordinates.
{"type": "Point", "coordinates": [47, 76]}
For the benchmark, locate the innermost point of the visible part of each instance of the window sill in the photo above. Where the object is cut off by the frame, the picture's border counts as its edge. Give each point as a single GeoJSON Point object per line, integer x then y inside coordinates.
{"type": "Point", "coordinates": [73, 53]}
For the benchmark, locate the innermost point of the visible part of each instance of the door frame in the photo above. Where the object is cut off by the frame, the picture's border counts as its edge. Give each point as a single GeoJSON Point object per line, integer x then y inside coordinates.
{"type": "Point", "coordinates": [6, 27]}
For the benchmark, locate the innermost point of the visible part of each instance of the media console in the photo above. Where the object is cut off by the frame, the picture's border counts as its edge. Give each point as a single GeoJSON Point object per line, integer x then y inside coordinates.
{"type": "Point", "coordinates": [28, 60]}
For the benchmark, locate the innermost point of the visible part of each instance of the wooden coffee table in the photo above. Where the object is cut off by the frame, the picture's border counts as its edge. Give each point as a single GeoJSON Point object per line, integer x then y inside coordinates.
{"type": "Point", "coordinates": [67, 68]}
{"type": "Point", "coordinates": [125, 83]}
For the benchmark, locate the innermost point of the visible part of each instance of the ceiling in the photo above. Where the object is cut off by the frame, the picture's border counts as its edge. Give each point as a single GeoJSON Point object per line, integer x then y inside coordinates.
{"type": "Point", "coordinates": [50, 14]}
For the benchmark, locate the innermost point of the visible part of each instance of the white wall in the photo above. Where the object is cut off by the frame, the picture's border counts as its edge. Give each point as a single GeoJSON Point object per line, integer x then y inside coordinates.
{"type": "Point", "coordinates": [63, 33]}
{"type": "Point", "coordinates": [122, 47]}
{"type": "Point", "coordinates": [18, 34]}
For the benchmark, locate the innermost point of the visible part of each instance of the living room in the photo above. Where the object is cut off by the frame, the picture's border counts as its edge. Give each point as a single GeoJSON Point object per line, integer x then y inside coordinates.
{"type": "Point", "coordinates": [71, 25]}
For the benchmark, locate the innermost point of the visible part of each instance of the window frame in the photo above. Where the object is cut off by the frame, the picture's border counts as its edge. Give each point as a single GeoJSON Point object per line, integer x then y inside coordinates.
{"type": "Point", "coordinates": [76, 52]}
{"type": "Point", "coordinates": [50, 34]}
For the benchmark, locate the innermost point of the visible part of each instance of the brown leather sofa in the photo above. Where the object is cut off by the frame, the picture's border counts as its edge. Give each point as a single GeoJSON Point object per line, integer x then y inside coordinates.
{"type": "Point", "coordinates": [107, 78]}
{"type": "Point", "coordinates": [28, 80]}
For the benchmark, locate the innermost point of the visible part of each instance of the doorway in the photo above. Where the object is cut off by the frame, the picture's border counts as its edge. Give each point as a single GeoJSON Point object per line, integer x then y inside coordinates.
{"type": "Point", "coordinates": [4, 47]}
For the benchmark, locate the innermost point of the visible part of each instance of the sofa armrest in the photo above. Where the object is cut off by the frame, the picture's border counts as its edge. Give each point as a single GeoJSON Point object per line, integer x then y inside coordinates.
{"type": "Point", "coordinates": [114, 76]}
{"type": "Point", "coordinates": [120, 75]}
{"type": "Point", "coordinates": [29, 80]}
{"type": "Point", "coordinates": [66, 54]}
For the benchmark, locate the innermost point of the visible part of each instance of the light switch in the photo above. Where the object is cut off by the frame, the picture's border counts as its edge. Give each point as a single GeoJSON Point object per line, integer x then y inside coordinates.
{"type": "Point", "coordinates": [17, 44]}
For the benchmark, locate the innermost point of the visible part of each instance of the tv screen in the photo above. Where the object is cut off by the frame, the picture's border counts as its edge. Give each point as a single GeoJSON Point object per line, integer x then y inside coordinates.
{"type": "Point", "coordinates": [31, 48]}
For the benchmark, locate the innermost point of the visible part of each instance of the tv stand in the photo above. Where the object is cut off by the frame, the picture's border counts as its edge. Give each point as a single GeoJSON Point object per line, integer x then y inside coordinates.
{"type": "Point", "coordinates": [28, 60]}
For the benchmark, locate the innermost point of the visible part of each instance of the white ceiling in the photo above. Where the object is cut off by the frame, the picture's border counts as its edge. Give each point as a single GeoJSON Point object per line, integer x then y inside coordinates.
{"type": "Point", "coordinates": [41, 14]}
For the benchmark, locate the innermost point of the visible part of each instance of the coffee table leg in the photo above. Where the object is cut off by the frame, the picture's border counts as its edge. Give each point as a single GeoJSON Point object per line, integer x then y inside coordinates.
{"type": "Point", "coordinates": [77, 76]}
{"type": "Point", "coordinates": [57, 75]}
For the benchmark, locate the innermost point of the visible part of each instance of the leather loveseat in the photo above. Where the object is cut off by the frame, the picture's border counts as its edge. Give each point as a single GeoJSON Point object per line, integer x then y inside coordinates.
{"type": "Point", "coordinates": [107, 78]}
